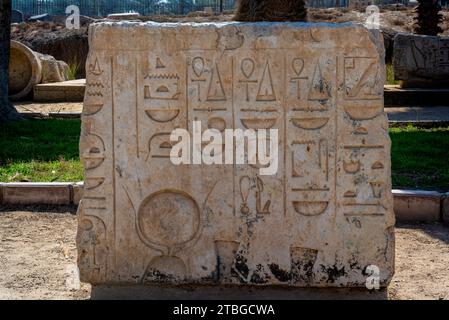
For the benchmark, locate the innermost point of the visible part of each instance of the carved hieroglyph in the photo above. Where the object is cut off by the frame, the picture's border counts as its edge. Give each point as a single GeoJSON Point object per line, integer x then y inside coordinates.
{"type": "Point", "coordinates": [421, 59]}
{"type": "Point", "coordinates": [320, 221]}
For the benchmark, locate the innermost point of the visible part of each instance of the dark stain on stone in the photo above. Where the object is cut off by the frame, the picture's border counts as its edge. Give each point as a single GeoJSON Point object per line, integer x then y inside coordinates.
{"type": "Point", "coordinates": [354, 263]}
{"type": "Point", "coordinates": [241, 265]}
{"type": "Point", "coordinates": [333, 273]}
{"type": "Point", "coordinates": [259, 275]}
{"type": "Point", "coordinates": [211, 278]}
{"type": "Point", "coordinates": [281, 275]}
{"type": "Point", "coordinates": [302, 271]}
{"type": "Point", "coordinates": [152, 276]}
{"type": "Point", "coordinates": [119, 171]}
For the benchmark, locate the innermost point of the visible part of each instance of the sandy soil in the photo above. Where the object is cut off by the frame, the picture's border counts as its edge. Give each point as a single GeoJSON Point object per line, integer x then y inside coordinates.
{"type": "Point", "coordinates": [37, 255]}
{"type": "Point", "coordinates": [422, 257]}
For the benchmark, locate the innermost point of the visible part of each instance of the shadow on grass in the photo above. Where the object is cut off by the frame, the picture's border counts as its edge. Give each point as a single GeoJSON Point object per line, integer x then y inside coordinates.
{"type": "Point", "coordinates": [420, 158]}
{"type": "Point", "coordinates": [39, 140]}
{"type": "Point", "coordinates": [40, 151]}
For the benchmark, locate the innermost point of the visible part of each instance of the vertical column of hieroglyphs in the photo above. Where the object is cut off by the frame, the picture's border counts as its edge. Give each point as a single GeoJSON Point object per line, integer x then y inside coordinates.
{"type": "Point", "coordinates": [210, 101]}
{"type": "Point", "coordinates": [362, 103]}
{"type": "Point", "coordinates": [96, 210]}
{"type": "Point", "coordinates": [259, 205]}
{"type": "Point", "coordinates": [364, 194]}
{"type": "Point", "coordinates": [310, 154]}
{"type": "Point", "coordinates": [167, 216]}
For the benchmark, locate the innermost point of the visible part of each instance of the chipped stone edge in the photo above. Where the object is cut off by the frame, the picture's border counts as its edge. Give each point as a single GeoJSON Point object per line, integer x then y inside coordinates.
{"type": "Point", "coordinates": [74, 188]}
{"type": "Point", "coordinates": [156, 25]}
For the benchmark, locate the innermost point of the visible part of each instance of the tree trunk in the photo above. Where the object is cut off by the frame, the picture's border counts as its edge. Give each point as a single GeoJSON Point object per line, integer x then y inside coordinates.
{"type": "Point", "coordinates": [427, 18]}
{"type": "Point", "coordinates": [271, 10]}
{"type": "Point", "coordinates": [7, 110]}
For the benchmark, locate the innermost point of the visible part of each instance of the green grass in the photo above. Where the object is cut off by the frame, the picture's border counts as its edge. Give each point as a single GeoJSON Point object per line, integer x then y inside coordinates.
{"type": "Point", "coordinates": [73, 70]}
{"type": "Point", "coordinates": [390, 75]}
{"type": "Point", "coordinates": [40, 151]}
{"type": "Point", "coordinates": [47, 150]}
{"type": "Point", "coordinates": [420, 158]}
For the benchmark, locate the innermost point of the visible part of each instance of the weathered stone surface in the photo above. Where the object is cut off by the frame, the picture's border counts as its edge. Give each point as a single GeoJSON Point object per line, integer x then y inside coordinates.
{"type": "Point", "coordinates": [421, 61]}
{"type": "Point", "coordinates": [321, 220]}
{"type": "Point", "coordinates": [25, 70]}
{"type": "Point", "coordinates": [78, 191]}
{"type": "Point", "coordinates": [53, 70]}
{"type": "Point", "coordinates": [65, 91]}
{"type": "Point", "coordinates": [36, 193]}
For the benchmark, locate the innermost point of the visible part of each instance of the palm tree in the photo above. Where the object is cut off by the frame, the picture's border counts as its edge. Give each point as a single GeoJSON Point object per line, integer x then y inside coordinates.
{"type": "Point", "coordinates": [7, 110]}
{"type": "Point", "coordinates": [428, 18]}
{"type": "Point", "coordinates": [271, 10]}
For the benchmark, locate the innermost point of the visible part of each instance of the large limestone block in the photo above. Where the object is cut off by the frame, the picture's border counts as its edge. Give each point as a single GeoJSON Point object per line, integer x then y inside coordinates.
{"type": "Point", "coordinates": [321, 220]}
{"type": "Point", "coordinates": [421, 61]}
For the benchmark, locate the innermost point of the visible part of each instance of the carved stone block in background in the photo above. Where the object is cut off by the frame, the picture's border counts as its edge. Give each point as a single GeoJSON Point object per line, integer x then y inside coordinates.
{"type": "Point", "coordinates": [28, 68]}
{"type": "Point", "coordinates": [321, 220]}
{"type": "Point", "coordinates": [421, 61]}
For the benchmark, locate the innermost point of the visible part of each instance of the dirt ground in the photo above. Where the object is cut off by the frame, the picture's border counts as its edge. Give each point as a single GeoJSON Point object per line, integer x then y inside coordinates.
{"type": "Point", "coordinates": [38, 255]}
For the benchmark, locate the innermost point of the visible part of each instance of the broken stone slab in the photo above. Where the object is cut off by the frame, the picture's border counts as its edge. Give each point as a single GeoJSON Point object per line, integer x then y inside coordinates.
{"type": "Point", "coordinates": [53, 70]}
{"type": "Point", "coordinates": [417, 205]}
{"type": "Point", "coordinates": [421, 61]}
{"type": "Point", "coordinates": [28, 68]}
{"type": "Point", "coordinates": [324, 219]}
{"type": "Point", "coordinates": [72, 90]}
{"type": "Point", "coordinates": [32, 193]}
